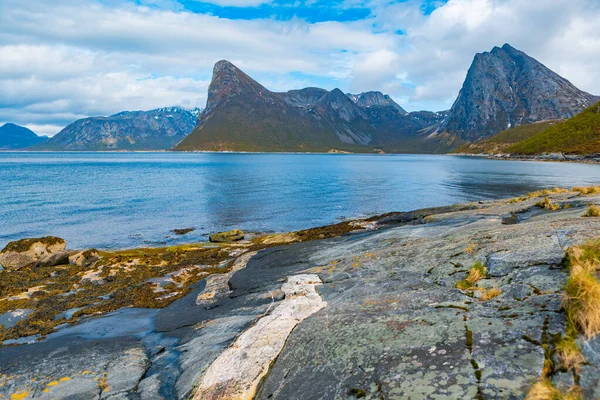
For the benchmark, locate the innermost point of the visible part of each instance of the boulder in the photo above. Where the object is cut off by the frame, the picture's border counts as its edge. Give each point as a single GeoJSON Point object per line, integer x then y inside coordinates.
{"type": "Point", "coordinates": [51, 260]}
{"type": "Point", "coordinates": [228, 236]}
{"type": "Point", "coordinates": [84, 258]}
{"type": "Point", "coordinates": [27, 252]}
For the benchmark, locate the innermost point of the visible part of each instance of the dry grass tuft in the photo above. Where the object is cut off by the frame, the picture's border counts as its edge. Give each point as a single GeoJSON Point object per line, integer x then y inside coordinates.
{"type": "Point", "coordinates": [592, 211]}
{"type": "Point", "coordinates": [490, 294]}
{"type": "Point", "coordinates": [544, 390]}
{"type": "Point", "coordinates": [547, 204]}
{"type": "Point", "coordinates": [546, 192]}
{"type": "Point", "coordinates": [569, 355]}
{"type": "Point", "coordinates": [476, 273]}
{"type": "Point", "coordinates": [587, 190]}
{"type": "Point", "coordinates": [582, 290]}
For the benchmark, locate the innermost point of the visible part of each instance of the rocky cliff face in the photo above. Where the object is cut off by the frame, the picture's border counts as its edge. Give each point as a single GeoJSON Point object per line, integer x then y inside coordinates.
{"type": "Point", "coordinates": [129, 130]}
{"type": "Point", "coordinates": [506, 88]}
{"type": "Point", "coordinates": [13, 137]}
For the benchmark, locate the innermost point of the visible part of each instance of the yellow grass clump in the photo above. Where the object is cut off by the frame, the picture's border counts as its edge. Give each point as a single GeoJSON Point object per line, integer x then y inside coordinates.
{"type": "Point", "coordinates": [476, 273]}
{"type": "Point", "coordinates": [546, 192]}
{"type": "Point", "coordinates": [587, 190]}
{"type": "Point", "coordinates": [544, 390]}
{"type": "Point", "coordinates": [582, 290]}
{"type": "Point", "coordinates": [490, 294]}
{"type": "Point", "coordinates": [592, 211]}
{"type": "Point", "coordinates": [547, 204]}
{"type": "Point", "coordinates": [569, 355]}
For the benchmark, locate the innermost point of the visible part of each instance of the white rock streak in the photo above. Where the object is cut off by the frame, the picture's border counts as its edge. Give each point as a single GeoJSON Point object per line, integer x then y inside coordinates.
{"type": "Point", "coordinates": [236, 373]}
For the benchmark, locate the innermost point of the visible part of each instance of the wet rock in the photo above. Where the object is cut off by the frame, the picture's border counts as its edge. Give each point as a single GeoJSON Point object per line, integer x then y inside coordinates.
{"type": "Point", "coordinates": [228, 236]}
{"type": "Point", "coordinates": [183, 231]}
{"type": "Point", "coordinates": [84, 258]}
{"type": "Point", "coordinates": [26, 252]}
{"type": "Point", "coordinates": [149, 388]}
{"type": "Point", "coordinates": [123, 374]}
{"type": "Point", "coordinates": [510, 219]}
{"type": "Point", "coordinates": [10, 318]}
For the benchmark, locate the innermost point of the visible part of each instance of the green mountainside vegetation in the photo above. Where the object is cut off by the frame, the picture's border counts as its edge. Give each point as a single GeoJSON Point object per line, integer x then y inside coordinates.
{"type": "Point", "coordinates": [577, 135]}
{"type": "Point", "coordinates": [504, 139]}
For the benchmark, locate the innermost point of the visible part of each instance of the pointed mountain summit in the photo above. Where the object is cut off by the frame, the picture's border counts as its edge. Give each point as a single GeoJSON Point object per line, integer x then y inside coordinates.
{"type": "Point", "coordinates": [505, 88]}
{"type": "Point", "coordinates": [14, 137]}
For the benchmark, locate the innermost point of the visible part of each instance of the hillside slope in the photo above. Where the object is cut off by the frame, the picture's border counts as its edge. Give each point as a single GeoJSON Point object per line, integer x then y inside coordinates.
{"type": "Point", "coordinates": [577, 135]}
{"type": "Point", "coordinates": [499, 142]}
{"type": "Point", "coordinates": [14, 137]}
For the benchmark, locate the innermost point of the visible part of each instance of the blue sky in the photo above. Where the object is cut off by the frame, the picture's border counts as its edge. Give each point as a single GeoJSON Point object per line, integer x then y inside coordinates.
{"type": "Point", "coordinates": [60, 61]}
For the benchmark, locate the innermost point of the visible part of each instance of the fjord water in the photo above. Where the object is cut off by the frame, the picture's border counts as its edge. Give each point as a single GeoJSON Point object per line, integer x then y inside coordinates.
{"type": "Point", "coordinates": [120, 200]}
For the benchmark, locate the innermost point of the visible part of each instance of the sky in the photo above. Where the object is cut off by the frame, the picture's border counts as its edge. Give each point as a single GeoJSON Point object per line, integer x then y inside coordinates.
{"type": "Point", "coordinates": [70, 59]}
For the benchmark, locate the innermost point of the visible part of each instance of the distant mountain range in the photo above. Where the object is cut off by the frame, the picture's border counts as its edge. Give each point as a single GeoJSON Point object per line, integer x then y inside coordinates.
{"type": "Point", "coordinates": [504, 88]}
{"type": "Point", "coordinates": [15, 137]}
{"type": "Point", "coordinates": [129, 130]}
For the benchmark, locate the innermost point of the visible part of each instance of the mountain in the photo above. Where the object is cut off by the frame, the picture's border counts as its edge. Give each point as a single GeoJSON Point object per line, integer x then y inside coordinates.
{"type": "Point", "coordinates": [506, 88]}
{"type": "Point", "coordinates": [577, 135]}
{"type": "Point", "coordinates": [13, 137]}
{"type": "Point", "coordinates": [396, 130]}
{"type": "Point", "coordinates": [158, 129]}
{"type": "Point", "coordinates": [243, 115]}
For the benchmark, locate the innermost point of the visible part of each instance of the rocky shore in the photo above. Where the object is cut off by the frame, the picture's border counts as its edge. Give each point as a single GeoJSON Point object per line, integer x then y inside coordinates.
{"type": "Point", "coordinates": [468, 301]}
{"type": "Point", "coordinates": [587, 158]}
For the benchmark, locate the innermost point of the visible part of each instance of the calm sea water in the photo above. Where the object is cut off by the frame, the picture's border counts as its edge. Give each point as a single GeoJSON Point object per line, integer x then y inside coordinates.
{"type": "Point", "coordinates": [119, 200]}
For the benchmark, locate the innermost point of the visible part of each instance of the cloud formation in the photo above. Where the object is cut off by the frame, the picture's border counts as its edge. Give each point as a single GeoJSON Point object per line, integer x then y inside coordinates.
{"type": "Point", "coordinates": [61, 62]}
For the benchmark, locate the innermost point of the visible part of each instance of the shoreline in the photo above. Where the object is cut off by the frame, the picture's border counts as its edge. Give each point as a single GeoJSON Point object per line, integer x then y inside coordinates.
{"type": "Point", "coordinates": [551, 157]}
{"type": "Point", "coordinates": [391, 294]}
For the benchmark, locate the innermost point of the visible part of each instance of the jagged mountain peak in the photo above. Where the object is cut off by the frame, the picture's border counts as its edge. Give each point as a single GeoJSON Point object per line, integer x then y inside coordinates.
{"type": "Point", "coordinates": [505, 87]}
{"type": "Point", "coordinates": [375, 98]}
{"type": "Point", "coordinates": [345, 108]}
{"type": "Point", "coordinates": [303, 97]}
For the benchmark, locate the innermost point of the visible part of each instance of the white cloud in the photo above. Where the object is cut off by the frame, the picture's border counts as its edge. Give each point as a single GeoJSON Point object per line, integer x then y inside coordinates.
{"type": "Point", "coordinates": [66, 60]}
